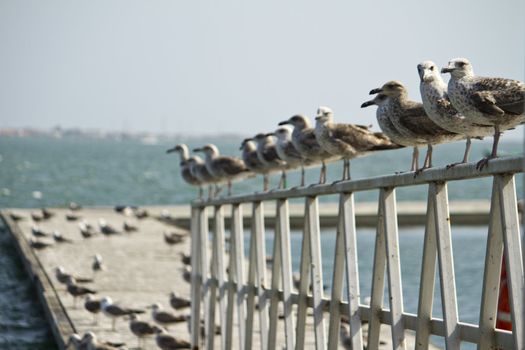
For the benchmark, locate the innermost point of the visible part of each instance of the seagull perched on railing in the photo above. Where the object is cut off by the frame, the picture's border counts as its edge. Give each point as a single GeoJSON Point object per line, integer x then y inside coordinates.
{"type": "Point", "coordinates": [287, 151]}
{"type": "Point", "coordinates": [200, 172]}
{"type": "Point", "coordinates": [388, 128]}
{"type": "Point", "coordinates": [303, 138]}
{"type": "Point", "coordinates": [410, 118]}
{"type": "Point", "coordinates": [223, 168]}
{"type": "Point", "coordinates": [185, 169]}
{"type": "Point", "coordinates": [438, 107]}
{"type": "Point", "coordinates": [348, 141]}
{"type": "Point", "coordinates": [267, 154]}
{"type": "Point", "coordinates": [252, 161]}
{"type": "Point", "coordinates": [495, 102]}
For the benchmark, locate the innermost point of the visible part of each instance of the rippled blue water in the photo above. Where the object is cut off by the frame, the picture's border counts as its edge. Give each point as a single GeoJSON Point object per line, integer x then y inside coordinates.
{"type": "Point", "coordinates": [107, 172]}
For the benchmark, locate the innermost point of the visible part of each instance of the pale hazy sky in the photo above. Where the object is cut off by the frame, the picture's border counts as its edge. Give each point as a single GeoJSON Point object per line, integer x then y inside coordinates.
{"type": "Point", "coordinates": [233, 66]}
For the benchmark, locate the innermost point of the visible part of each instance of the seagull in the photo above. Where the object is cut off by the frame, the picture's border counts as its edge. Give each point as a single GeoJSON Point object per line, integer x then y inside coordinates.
{"type": "Point", "coordinates": [76, 341]}
{"type": "Point", "coordinates": [167, 341]}
{"type": "Point", "coordinates": [165, 318]}
{"type": "Point", "coordinates": [347, 141]}
{"type": "Point", "coordinates": [47, 214]}
{"type": "Point", "coordinates": [173, 238]}
{"type": "Point", "coordinates": [200, 172]}
{"type": "Point", "coordinates": [185, 169]}
{"type": "Point", "coordinates": [115, 311]}
{"type": "Point", "coordinates": [62, 276]}
{"type": "Point", "coordinates": [224, 169]}
{"type": "Point", "coordinates": [105, 228]}
{"type": "Point", "coordinates": [59, 238]}
{"type": "Point", "coordinates": [93, 306]}
{"type": "Point", "coordinates": [70, 216]}
{"type": "Point", "coordinates": [267, 154]}
{"type": "Point", "coordinates": [186, 273]}
{"type": "Point", "coordinates": [98, 264]}
{"type": "Point", "coordinates": [141, 329]}
{"type": "Point", "coordinates": [77, 291]}
{"type": "Point", "coordinates": [129, 227]}
{"type": "Point", "coordinates": [86, 229]}
{"type": "Point", "coordinates": [37, 244]}
{"type": "Point", "coordinates": [177, 302]}
{"type": "Point", "coordinates": [140, 213]}
{"type": "Point", "coordinates": [15, 216]}
{"type": "Point", "coordinates": [494, 102]}
{"type": "Point", "coordinates": [287, 151]}
{"type": "Point", "coordinates": [438, 107]}
{"type": "Point", "coordinates": [410, 119]}
{"type": "Point", "coordinates": [90, 341]}
{"type": "Point", "coordinates": [252, 161]}
{"type": "Point", "coordinates": [37, 232]}
{"type": "Point", "coordinates": [185, 258]}
{"type": "Point", "coordinates": [36, 216]}
{"type": "Point", "coordinates": [303, 138]}
{"type": "Point", "coordinates": [380, 100]}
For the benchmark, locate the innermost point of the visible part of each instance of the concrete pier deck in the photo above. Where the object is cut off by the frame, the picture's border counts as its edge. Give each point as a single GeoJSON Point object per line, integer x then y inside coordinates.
{"type": "Point", "coordinates": [141, 270]}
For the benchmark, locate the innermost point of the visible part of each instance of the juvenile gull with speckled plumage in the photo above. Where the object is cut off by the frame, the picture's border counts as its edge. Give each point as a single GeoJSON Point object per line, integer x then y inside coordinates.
{"type": "Point", "coordinates": [410, 119]}
{"type": "Point", "coordinates": [252, 161]}
{"type": "Point", "coordinates": [267, 154]}
{"type": "Point", "coordinates": [303, 138]}
{"type": "Point", "coordinates": [200, 172]}
{"type": "Point", "coordinates": [223, 168]}
{"type": "Point", "coordinates": [348, 141]}
{"type": "Point", "coordinates": [287, 151]}
{"type": "Point", "coordinates": [494, 102]}
{"type": "Point", "coordinates": [388, 128]}
{"type": "Point", "coordinates": [438, 107]}
{"type": "Point", "coordinates": [185, 169]}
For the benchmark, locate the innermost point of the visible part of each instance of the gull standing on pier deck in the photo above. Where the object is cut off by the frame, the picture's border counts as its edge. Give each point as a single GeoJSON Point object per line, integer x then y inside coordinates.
{"type": "Point", "coordinates": [223, 168]}
{"type": "Point", "coordinates": [410, 118]}
{"type": "Point", "coordinates": [92, 305]}
{"type": "Point", "coordinates": [185, 169]}
{"type": "Point", "coordinates": [348, 141]}
{"type": "Point", "coordinates": [252, 161]}
{"type": "Point", "coordinates": [114, 311]}
{"type": "Point", "coordinates": [389, 128]}
{"type": "Point", "coordinates": [76, 290]}
{"type": "Point", "coordinates": [141, 329]}
{"type": "Point", "coordinates": [267, 154]}
{"type": "Point", "coordinates": [303, 138]}
{"type": "Point", "coordinates": [165, 318]}
{"type": "Point", "coordinates": [438, 107]}
{"type": "Point", "coordinates": [494, 102]}
{"type": "Point", "coordinates": [287, 151]}
{"type": "Point", "coordinates": [167, 341]}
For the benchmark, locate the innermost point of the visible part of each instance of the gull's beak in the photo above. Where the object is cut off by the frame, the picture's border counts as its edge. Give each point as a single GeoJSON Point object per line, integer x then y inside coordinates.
{"type": "Point", "coordinates": [375, 91]}
{"type": "Point", "coordinates": [270, 134]}
{"type": "Point", "coordinates": [318, 117]}
{"type": "Point", "coordinates": [171, 150]}
{"type": "Point", "coordinates": [197, 150]}
{"type": "Point", "coordinates": [447, 69]}
{"type": "Point", "coordinates": [367, 103]}
{"type": "Point", "coordinates": [285, 122]}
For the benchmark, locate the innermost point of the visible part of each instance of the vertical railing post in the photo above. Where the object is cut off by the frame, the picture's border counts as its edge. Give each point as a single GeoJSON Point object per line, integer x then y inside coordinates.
{"type": "Point", "coordinates": [274, 298]}
{"type": "Point", "coordinates": [261, 283]}
{"type": "Point", "coordinates": [513, 255]}
{"type": "Point", "coordinates": [195, 280]}
{"type": "Point", "coordinates": [238, 250]}
{"type": "Point", "coordinates": [393, 268]}
{"type": "Point", "coordinates": [218, 248]}
{"type": "Point", "coordinates": [283, 222]}
{"type": "Point", "coordinates": [304, 269]}
{"type": "Point", "coordinates": [314, 231]}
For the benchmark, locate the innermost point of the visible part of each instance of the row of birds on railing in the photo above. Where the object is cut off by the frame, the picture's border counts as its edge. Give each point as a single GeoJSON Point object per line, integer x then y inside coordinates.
{"type": "Point", "coordinates": [468, 107]}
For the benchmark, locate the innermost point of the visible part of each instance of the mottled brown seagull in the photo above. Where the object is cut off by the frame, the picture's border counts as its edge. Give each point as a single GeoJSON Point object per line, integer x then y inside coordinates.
{"type": "Point", "coordinates": [141, 329]}
{"type": "Point", "coordinates": [166, 341]}
{"type": "Point", "coordinates": [185, 168]}
{"type": "Point", "coordinates": [348, 141]}
{"type": "Point", "coordinates": [165, 318]}
{"type": "Point", "coordinates": [287, 152]}
{"type": "Point", "coordinates": [114, 311]}
{"type": "Point", "coordinates": [410, 118]}
{"type": "Point", "coordinates": [495, 102]}
{"type": "Point", "coordinates": [178, 302]}
{"type": "Point", "coordinates": [92, 305]}
{"type": "Point", "coordinates": [76, 290]}
{"type": "Point", "coordinates": [252, 161]}
{"type": "Point", "coordinates": [268, 156]}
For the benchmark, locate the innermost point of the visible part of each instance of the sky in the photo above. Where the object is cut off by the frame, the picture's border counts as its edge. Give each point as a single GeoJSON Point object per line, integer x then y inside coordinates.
{"type": "Point", "coordinates": [208, 67]}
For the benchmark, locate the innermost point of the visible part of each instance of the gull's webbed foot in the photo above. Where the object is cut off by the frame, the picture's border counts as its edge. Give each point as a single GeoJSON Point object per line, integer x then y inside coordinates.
{"type": "Point", "coordinates": [483, 163]}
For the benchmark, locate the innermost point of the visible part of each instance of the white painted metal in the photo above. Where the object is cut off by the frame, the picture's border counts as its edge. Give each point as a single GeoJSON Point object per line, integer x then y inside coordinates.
{"type": "Point", "coordinates": [513, 254]}
{"type": "Point", "coordinates": [491, 276]}
{"type": "Point", "coordinates": [261, 282]}
{"type": "Point", "coordinates": [304, 272]}
{"type": "Point", "coordinates": [195, 285]}
{"type": "Point", "coordinates": [447, 280]}
{"type": "Point", "coordinates": [314, 230]}
{"type": "Point", "coordinates": [352, 271]}
{"type": "Point", "coordinates": [212, 298]}
{"type": "Point", "coordinates": [427, 281]}
{"type": "Point", "coordinates": [218, 246]}
{"type": "Point", "coordinates": [378, 280]}
{"type": "Point", "coordinates": [238, 251]}
{"type": "Point", "coordinates": [286, 270]}
{"type": "Point", "coordinates": [393, 267]}
{"type": "Point", "coordinates": [503, 231]}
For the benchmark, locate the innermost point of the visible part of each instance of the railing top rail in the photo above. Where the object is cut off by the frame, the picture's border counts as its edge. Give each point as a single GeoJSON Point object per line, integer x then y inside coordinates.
{"type": "Point", "coordinates": [508, 165]}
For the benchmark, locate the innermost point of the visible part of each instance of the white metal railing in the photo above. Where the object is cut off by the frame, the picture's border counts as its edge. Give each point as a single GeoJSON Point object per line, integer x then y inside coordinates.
{"type": "Point", "coordinates": [245, 295]}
